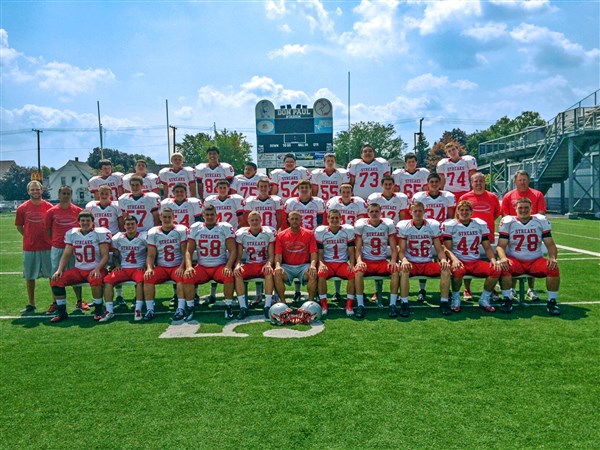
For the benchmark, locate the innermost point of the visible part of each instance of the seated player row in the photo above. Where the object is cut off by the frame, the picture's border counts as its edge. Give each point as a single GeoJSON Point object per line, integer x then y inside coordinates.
{"type": "Point", "coordinates": [344, 251]}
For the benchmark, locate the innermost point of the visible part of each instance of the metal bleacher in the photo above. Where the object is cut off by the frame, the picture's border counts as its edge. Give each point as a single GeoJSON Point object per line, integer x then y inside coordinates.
{"type": "Point", "coordinates": [550, 154]}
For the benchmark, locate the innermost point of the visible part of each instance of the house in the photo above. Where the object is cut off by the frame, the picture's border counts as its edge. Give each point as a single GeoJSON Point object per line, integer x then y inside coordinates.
{"type": "Point", "coordinates": [5, 167]}
{"type": "Point", "coordinates": [75, 174]}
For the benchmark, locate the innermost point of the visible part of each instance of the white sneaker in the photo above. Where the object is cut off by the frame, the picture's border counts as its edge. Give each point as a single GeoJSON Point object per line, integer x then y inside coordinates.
{"type": "Point", "coordinates": [137, 315]}
{"type": "Point", "coordinates": [485, 304]}
{"type": "Point", "coordinates": [455, 305]}
{"type": "Point", "coordinates": [106, 316]}
{"type": "Point", "coordinates": [533, 295]}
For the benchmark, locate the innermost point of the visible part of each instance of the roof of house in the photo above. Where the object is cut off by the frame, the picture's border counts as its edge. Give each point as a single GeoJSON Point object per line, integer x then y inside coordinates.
{"type": "Point", "coordinates": [5, 166]}
{"type": "Point", "coordinates": [86, 170]}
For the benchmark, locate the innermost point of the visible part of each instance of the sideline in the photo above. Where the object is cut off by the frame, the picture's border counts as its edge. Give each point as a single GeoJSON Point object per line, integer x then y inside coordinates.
{"type": "Point", "coordinates": [162, 313]}
{"type": "Point", "coordinates": [578, 250]}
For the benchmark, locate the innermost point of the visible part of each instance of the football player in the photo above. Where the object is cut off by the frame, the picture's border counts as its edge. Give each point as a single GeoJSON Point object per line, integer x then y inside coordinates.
{"type": "Point", "coordinates": [284, 182]}
{"type": "Point", "coordinates": [230, 207]}
{"type": "Point", "coordinates": [366, 173]}
{"type": "Point", "coordinates": [394, 205]}
{"type": "Point", "coordinates": [150, 181]}
{"type": "Point", "coordinates": [143, 206]}
{"type": "Point", "coordinates": [326, 183]}
{"type": "Point", "coordinates": [270, 207]}
{"type": "Point", "coordinates": [455, 170]}
{"type": "Point", "coordinates": [177, 174]}
{"type": "Point", "coordinates": [411, 179]}
{"type": "Point", "coordinates": [310, 208]}
{"type": "Point", "coordinates": [106, 212]}
{"type": "Point", "coordinates": [208, 174]}
{"type": "Point", "coordinates": [247, 183]}
{"type": "Point", "coordinates": [351, 207]}
{"type": "Point", "coordinates": [106, 176]}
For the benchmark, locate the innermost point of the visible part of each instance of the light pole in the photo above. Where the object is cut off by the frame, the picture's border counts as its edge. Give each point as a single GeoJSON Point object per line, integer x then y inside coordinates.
{"type": "Point", "coordinates": [38, 148]}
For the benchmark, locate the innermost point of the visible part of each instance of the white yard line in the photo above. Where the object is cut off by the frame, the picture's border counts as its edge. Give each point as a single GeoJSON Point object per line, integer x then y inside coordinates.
{"type": "Point", "coordinates": [577, 259]}
{"type": "Point", "coordinates": [11, 273]}
{"type": "Point", "coordinates": [576, 235]}
{"type": "Point", "coordinates": [578, 250]}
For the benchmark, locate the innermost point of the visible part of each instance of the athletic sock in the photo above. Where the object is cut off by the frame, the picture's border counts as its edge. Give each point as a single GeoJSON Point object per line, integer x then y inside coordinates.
{"type": "Point", "coordinates": [393, 299]}
{"type": "Point", "coordinates": [181, 303]}
{"type": "Point", "coordinates": [268, 300]}
{"type": "Point", "coordinates": [403, 299]}
{"type": "Point", "coordinates": [242, 301]}
{"type": "Point", "coordinates": [360, 299]}
{"type": "Point", "coordinates": [109, 307]}
{"type": "Point", "coordinates": [150, 305]}
{"type": "Point", "coordinates": [189, 303]}
{"type": "Point", "coordinates": [139, 304]}
{"type": "Point", "coordinates": [506, 293]}
{"type": "Point", "coordinates": [552, 295]}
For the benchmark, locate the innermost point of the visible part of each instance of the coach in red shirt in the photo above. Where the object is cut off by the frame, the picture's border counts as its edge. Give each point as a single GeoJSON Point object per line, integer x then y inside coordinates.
{"type": "Point", "coordinates": [522, 180]}
{"type": "Point", "coordinates": [30, 222]}
{"type": "Point", "coordinates": [296, 256]}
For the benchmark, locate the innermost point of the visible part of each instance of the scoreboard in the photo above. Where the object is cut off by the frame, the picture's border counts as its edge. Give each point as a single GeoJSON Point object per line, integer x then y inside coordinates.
{"type": "Point", "coordinates": [305, 132]}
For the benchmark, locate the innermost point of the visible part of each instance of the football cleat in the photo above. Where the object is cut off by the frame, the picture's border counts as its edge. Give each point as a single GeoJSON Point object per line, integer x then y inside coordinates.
{"type": "Point", "coordinates": [360, 312]}
{"type": "Point", "coordinates": [485, 304]}
{"type": "Point", "coordinates": [324, 313]}
{"type": "Point", "coordinates": [552, 307]}
{"type": "Point", "coordinates": [119, 301]}
{"type": "Point", "coordinates": [52, 308]}
{"type": "Point", "coordinates": [404, 309]}
{"type": "Point", "coordinates": [106, 317]}
{"type": "Point", "coordinates": [324, 307]}
{"type": "Point", "coordinates": [374, 297]}
{"type": "Point", "coordinates": [148, 316]}
{"type": "Point", "coordinates": [257, 300]}
{"type": "Point", "coordinates": [179, 315]}
{"type": "Point", "coordinates": [445, 308]}
{"type": "Point", "coordinates": [393, 313]}
{"type": "Point", "coordinates": [455, 306]}
{"type": "Point", "coordinates": [533, 295]}
{"type": "Point", "coordinates": [506, 305]}
{"type": "Point", "coordinates": [196, 300]}
{"type": "Point", "coordinates": [211, 299]}
{"type": "Point", "coordinates": [137, 315]}
{"type": "Point", "coordinates": [422, 295]}
{"type": "Point", "coordinates": [28, 309]}
{"type": "Point", "coordinates": [98, 311]}
{"type": "Point", "coordinates": [228, 312]}
{"type": "Point", "coordinates": [243, 313]}
{"type": "Point", "coordinates": [513, 295]}
{"type": "Point", "coordinates": [349, 308]}
{"type": "Point", "coordinates": [189, 313]}
{"type": "Point", "coordinates": [59, 317]}
{"type": "Point", "coordinates": [467, 295]}
{"type": "Point", "coordinates": [82, 306]}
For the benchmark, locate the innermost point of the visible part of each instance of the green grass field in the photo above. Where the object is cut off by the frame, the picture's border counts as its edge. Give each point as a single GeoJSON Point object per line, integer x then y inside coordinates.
{"type": "Point", "coordinates": [473, 380]}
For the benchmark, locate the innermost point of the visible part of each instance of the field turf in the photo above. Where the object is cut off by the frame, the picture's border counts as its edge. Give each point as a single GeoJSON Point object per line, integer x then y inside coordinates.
{"type": "Point", "coordinates": [473, 380]}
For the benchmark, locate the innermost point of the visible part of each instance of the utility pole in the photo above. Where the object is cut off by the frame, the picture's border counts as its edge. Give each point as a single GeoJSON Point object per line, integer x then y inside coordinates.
{"type": "Point", "coordinates": [349, 135]}
{"type": "Point", "coordinates": [168, 133]}
{"type": "Point", "coordinates": [174, 140]}
{"type": "Point", "coordinates": [38, 148]}
{"type": "Point", "coordinates": [100, 130]}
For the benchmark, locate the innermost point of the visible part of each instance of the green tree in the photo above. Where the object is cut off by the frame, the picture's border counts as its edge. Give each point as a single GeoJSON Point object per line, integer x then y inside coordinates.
{"type": "Point", "coordinates": [232, 145]}
{"type": "Point", "coordinates": [438, 152]}
{"type": "Point", "coordinates": [120, 160]}
{"type": "Point", "coordinates": [13, 186]}
{"type": "Point", "coordinates": [347, 146]}
{"type": "Point", "coordinates": [422, 151]}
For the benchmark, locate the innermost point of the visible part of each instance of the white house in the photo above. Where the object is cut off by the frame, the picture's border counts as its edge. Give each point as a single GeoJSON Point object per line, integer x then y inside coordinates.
{"type": "Point", "coordinates": [75, 174]}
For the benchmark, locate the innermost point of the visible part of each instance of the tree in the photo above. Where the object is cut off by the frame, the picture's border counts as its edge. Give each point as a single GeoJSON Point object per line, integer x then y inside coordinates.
{"type": "Point", "coordinates": [13, 186]}
{"type": "Point", "coordinates": [422, 151]}
{"type": "Point", "coordinates": [438, 152]}
{"type": "Point", "coordinates": [232, 145]}
{"type": "Point", "coordinates": [121, 161]}
{"type": "Point", "coordinates": [347, 146]}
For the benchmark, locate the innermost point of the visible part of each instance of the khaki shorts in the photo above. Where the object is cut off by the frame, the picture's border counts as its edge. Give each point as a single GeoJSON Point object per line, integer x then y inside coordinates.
{"type": "Point", "coordinates": [37, 265]}
{"type": "Point", "coordinates": [295, 272]}
{"type": "Point", "coordinates": [55, 255]}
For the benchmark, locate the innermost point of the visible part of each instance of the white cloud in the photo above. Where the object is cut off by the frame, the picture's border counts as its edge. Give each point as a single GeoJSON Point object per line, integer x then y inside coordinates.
{"type": "Point", "coordinates": [288, 50]}
{"type": "Point", "coordinates": [318, 18]}
{"type": "Point", "coordinates": [488, 32]}
{"type": "Point", "coordinates": [275, 9]}
{"type": "Point", "coordinates": [7, 54]}
{"type": "Point", "coordinates": [285, 28]}
{"type": "Point", "coordinates": [184, 113]}
{"type": "Point", "coordinates": [338, 11]}
{"type": "Point", "coordinates": [428, 82]}
{"type": "Point", "coordinates": [526, 5]}
{"type": "Point", "coordinates": [438, 13]}
{"type": "Point", "coordinates": [67, 79]}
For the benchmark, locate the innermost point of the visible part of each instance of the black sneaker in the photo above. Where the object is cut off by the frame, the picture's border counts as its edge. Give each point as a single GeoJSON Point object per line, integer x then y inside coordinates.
{"type": "Point", "coordinates": [243, 314]}
{"type": "Point", "coordinates": [506, 306]}
{"type": "Point", "coordinates": [337, 297]}
{"type": "Point", "coordinates": [552, 307]}
{"type": "Point", "coordinates": [149, 315]}
{"type": "Point", "coordinates": [393, 311]}
{"type": "Point", "coordinates": [98, 311]}
{"type": "Point", "coordinates": [211, 300]}
{"type": "Point", "coordinates": [28, 309]}
{"type": "Point", "coordinates": [179, 315]}
{"type": "Point", "coordinates": [422, 295]}
{"type": "Point", "coordinates": [196, 300]}
{"type": "Point", "coordinates": [120, 302]}
{"type": "Point", "coordinates": [404, 309]}
{"type": "Point", "coordinates": [297, 297]}
{"type": "Point", "coordinates": [189, 313]}
{"type": "Point", "coordinates": [174, 301]}
{"type": "Point", "coordinates": [266, 312]}
{"type": "Point", "coordinates": [445, 307]}
{"type": "Point", "coordinates": [360, 312]}
{"type": "Point", "coordinates": [228, 312]}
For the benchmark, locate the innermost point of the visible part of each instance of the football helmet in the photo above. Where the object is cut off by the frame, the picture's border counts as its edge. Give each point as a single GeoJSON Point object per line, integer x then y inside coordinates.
{"type": "Point", "coordinates": [280, 314]}
{"type": "Point", "coordinates": [309, 312]}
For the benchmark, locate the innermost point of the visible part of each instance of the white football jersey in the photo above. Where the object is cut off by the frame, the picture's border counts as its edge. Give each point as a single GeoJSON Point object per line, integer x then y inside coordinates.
{"type": "Point", "coordinates": [419, 240]}
{"type": "Point", "coordinates": [436, 207]}
{"type": "Point", "coordinates": [329, 185]}
{"type": "Point", "coordinates": [466, 239]}
{"type": "Point", "coordinates": [169, 178]}
{"type": "Point", "coordinates": [267, 208]}
{"type": "Point", "coordinates": [211, 247]}
{"type": "Point", "coordinates": [411, 183]}
{"type": "Point", "coordinates": [86, 247]}
{"type": "Point", "coordinates": [168, 244]}
{"type": "Point", "coordinates": [350, 212]}
{"type": "Point", "coordinates": [457, 173]}
{"type": "Point", "coordinates": [525, 239]}
{"type": "Point", "coordinates": [287, 182]}
{"type": "Point", "coordinates": [106, 216]}
{"type": "Point", "coordinates": [133, 251]}
{"type": "Point", "coordinates": [367, 177]}
{"type": "Point", "coordinates": [141, 207]}
{"type": "Point", "coordinates": [390, 208]}
{"type": "Point", "coordinates": [256, 248]}
{"type": "Point", "coordinates": [246, 187]}
{"type": "Point", "coordinates": [150, 182]}
{"type": "Point", "coordinates": [228, 210]}
{"type": "Point", "coordinates": [113, 181]}
{"type": "Point", "coordinates": [209, 177]}
{"type": "Point", "coordinates": [184, 213]}
{"type": "Point", "coordinates": [335, 245]}
{"type": "Point", "coordinates": [309, 210]}
{"type": "Point", "coordinates": [375, 238]}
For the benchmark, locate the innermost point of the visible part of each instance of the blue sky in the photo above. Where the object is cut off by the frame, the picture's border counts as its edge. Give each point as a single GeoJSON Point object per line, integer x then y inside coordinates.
{"type": "Point", "coordinates": [460, 64]}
